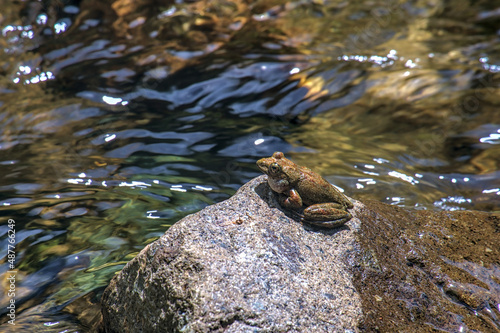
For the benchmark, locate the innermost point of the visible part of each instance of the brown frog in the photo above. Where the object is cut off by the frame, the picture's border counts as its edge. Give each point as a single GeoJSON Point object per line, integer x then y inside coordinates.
{"type": "Point", "coordinates": [300, 186]}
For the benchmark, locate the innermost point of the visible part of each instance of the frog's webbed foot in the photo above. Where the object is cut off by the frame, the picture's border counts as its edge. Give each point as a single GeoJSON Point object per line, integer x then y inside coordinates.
{"type": "Point", "coordinates": [296, 214]}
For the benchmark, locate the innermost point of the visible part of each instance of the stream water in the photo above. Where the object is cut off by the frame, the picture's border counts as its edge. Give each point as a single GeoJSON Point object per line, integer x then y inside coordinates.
{"type": "Point", "coordinates": [118, 118]}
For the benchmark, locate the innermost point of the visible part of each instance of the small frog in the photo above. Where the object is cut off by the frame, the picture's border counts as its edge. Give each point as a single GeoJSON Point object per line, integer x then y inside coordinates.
{"type": "Point", "coordinates": [300, 186]}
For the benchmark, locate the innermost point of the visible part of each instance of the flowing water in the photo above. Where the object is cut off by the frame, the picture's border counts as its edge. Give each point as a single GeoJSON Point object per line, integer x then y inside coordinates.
{"type": "Point", "coordinates": [119, 118]}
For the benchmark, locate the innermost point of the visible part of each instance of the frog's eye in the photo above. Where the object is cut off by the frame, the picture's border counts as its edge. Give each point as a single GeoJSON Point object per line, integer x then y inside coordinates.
{"type": "Point", "coordinates": [274, 168]}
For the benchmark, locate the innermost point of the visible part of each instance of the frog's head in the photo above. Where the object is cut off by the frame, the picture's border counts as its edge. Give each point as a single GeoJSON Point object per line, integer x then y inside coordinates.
{"type": "Point", "coordinates": [279, 168]}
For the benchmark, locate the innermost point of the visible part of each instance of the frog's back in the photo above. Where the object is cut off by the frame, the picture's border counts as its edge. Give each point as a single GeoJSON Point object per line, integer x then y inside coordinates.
{"type": "Point", "coordinates": [315, 189]}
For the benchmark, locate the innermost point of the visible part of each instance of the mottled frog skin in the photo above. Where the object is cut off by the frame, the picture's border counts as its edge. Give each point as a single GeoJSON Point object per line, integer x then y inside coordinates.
{"type": "Point", "coordinates": [301, 188]}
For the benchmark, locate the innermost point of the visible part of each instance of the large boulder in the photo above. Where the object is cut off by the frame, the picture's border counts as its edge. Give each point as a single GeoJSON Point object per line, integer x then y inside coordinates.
{"type": "Point", "coordinates": [237, 266]}
{"type": "Point", "coordinates": [243, 265]}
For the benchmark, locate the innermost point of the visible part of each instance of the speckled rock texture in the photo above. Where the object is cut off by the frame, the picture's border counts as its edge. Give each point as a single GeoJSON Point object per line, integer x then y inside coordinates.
{"type": "Point", "coordinates": [240, 265]}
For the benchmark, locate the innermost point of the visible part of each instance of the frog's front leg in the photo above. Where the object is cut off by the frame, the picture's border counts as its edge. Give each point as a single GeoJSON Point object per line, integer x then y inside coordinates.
{"type": "Point", "coordinates": [292, 200]}
{"type": "Point", "coordinates": [328, 215]}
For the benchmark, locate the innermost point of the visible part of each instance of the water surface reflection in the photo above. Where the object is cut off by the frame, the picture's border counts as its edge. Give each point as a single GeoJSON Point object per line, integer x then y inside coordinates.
{"type": "Point", "coordinates": [118, 120]}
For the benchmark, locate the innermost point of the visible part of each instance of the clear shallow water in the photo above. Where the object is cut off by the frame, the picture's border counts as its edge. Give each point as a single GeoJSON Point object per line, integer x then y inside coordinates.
{"type": "Point", "coordinates": [115, 122]}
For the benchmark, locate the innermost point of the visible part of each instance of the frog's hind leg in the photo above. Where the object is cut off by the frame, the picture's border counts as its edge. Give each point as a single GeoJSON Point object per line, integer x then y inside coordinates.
{"type": "Point", "coordinates": [329, 224]}
{"type": "Point", "coordinates": [329, 215]}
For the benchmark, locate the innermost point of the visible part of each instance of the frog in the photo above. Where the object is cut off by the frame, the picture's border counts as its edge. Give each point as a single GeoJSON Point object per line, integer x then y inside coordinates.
{"type": "Point", "coordinates": [305, 192]}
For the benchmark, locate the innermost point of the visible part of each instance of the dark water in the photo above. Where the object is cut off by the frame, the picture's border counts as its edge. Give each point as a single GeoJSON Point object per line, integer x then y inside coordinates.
{"type": "Point", "coordinates": [117, 120]}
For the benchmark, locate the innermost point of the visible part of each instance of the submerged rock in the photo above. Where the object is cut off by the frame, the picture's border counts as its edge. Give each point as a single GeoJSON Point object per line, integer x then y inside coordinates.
{"type": "Point", "coordinates": [243, 265]}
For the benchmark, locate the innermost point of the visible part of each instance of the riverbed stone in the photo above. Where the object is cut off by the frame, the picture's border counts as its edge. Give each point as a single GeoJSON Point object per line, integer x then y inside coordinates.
{"type": "Point", "coordinates": [244, 265]}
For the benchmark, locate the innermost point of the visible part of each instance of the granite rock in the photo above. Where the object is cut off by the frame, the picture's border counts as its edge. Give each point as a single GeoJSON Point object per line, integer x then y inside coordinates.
{"type": "Point", "coordinates": [240, 265]}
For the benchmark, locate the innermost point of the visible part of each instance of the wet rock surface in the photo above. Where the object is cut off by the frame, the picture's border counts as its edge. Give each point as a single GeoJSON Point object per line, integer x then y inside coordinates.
{"type": "Point", "coordinates": [243, 265]}
{"type": "Point", "coordinates": [423, 271]}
